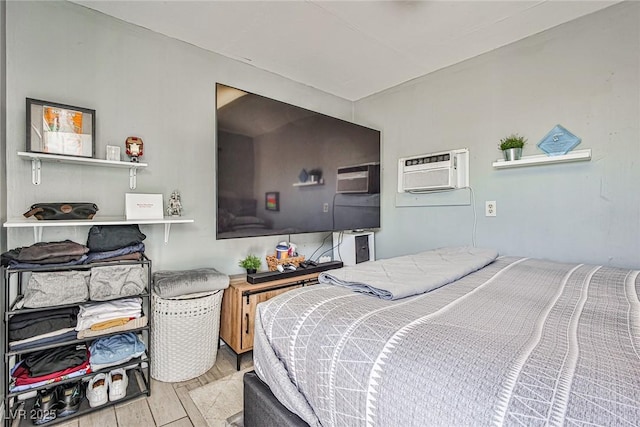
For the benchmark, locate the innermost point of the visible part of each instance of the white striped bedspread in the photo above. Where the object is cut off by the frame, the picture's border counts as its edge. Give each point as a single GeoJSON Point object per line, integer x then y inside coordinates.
{"type": "Point", "coordinates": [519, 342]}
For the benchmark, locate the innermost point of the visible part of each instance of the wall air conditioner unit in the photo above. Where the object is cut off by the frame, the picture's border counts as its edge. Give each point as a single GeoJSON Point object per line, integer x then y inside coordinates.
{"type": "Point", "coordinates": [446, 170]}
{"type": "Point", "coordinates": [364, 178]}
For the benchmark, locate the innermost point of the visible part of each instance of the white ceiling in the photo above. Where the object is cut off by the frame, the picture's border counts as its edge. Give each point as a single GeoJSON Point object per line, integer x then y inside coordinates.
{"type": "Point", "coordinates": [351, 49]}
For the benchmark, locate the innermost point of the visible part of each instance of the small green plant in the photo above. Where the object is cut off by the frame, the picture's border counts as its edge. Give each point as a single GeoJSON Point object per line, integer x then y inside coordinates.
{"type": "Point", "coordinates": [512, 141]}
{"type": "Point", "coordinates": [251, 262]}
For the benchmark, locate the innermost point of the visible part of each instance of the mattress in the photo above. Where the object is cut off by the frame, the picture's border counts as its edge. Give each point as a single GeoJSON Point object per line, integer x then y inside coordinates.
{"type": "Point", "coordinates": [518, 342]}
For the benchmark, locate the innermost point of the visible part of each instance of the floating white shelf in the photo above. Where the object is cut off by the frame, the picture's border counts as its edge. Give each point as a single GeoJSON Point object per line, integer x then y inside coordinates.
{"type": "Point", "coordinates": [543, 159]}
{"type": "Point", "coordinates": [308, 184]}
{"type": "Point", "coordinates": [38, 158]}
{"type": "Point", "coordinates": [38, 225]}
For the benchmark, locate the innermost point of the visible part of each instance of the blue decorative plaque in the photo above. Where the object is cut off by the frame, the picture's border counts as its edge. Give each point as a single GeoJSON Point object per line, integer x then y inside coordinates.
{"type": "Point", "coordinates": [558, 142]}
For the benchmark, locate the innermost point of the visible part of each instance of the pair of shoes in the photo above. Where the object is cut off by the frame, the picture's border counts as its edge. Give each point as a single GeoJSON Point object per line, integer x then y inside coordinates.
{"type": "Point", "coordinates": [45, 408]}
{"type": "Point", "coordinates": [70, 397]}
{"type": "Point", "coordinates": [107, 387]}
{"type": "Point", "coordinates": [118, 382]}
{"type": "Point", "coordinates": [60, 401]}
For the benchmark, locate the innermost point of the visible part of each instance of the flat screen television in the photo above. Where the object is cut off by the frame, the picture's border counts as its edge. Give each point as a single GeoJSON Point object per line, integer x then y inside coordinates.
{"type": "Point", "coordinates": [283, 169]}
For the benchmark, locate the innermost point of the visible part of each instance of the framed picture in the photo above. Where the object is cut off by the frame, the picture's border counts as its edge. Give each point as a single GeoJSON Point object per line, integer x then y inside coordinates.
{"type": "Point", "coordinates": [54, 128]}
{"type": "Point", "coordinates": [272, 201]}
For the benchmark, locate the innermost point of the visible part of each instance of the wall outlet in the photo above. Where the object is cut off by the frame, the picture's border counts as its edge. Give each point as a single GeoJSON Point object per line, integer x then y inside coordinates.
{"type": "Point", "coordinates": [325, 207]}
{"type": "Point", "coordinates": [490, 208]}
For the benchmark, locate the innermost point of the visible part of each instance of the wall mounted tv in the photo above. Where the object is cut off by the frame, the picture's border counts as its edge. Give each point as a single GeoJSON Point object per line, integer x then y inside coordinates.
{"type": "Point", "coordinates": [283, 169]}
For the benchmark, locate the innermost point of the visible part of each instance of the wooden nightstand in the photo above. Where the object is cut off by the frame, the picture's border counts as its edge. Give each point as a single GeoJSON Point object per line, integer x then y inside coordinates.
{"type": "Point", "coordinates": [239, 308]}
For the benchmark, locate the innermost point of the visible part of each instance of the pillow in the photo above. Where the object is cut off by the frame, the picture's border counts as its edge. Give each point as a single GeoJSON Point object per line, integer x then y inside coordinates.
{"type": "Point", "coordinates": [167, 284]}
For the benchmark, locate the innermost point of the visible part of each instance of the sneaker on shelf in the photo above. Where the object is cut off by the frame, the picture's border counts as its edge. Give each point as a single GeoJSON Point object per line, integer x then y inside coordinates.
{"type": "Point", "coordinates": [118, 382]}
{"type": "Point", "coordinates": [45, 407]}
{"type": "Point", "coordinates": [97, 390]}
{"type": "Point", "coordinates": [70, 397]}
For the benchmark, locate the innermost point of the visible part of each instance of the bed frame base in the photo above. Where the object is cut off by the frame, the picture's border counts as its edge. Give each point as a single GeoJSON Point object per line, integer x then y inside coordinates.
{"type": "Point", "coordinates": [262, 409]}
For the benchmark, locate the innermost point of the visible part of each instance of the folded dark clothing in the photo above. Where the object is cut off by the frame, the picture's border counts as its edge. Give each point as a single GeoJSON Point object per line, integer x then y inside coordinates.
{"type": "Point", "coordinates": [22, 320]}
{"type": "Point", "coordinates": [19, 265]}
{"type": "Point", "coordinates": [108, 255]}
{"type": "Point", "coordinates": [58, 259]}
{"type": "Point", "coordinates": [40, 251]}
{"type": "Point", "coordinates": [56, 359]}
{"type": "Point", "coordinates": [23, 326]}
{"type": "Point", "coordinates": [110, 237]}
{"type": "Point", "coordinates": [68, 336]}
{"type": "Point", "coordinates": [135, 256]}
{"type": "Point", "coordinates": [24, 381]}
{"type": "Point", "coordinates": [44, 327]}
{"type": "Point", "coordinates": [9, 256]}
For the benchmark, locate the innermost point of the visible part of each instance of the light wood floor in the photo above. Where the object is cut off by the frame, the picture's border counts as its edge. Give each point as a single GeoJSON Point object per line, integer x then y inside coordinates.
{"type": "Point", "coordinates": [169, 404]}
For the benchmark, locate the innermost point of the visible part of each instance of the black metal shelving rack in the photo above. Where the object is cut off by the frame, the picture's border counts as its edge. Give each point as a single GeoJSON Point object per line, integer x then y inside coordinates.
{"type": "Point", "coordinates": [16, 409]}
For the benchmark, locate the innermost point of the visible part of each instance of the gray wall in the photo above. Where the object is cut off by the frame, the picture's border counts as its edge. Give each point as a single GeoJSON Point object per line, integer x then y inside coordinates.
{"type": "Point", "coordinates": [583, 75]}
{"type": "Point", "coordinates": [144, 84]}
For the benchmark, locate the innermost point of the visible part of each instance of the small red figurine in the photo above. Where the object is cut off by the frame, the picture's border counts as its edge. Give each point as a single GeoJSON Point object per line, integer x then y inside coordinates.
{"type": "Point", "coordinates": [134, 147]}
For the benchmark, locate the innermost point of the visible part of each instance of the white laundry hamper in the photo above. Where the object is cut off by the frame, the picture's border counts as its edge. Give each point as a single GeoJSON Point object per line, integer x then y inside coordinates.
{"type": "Point", "coordinates": [185, 334]}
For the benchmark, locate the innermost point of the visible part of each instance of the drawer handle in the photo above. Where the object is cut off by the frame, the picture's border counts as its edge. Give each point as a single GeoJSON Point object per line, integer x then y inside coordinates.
{"type": "Point", "coordinates": [246, 316]}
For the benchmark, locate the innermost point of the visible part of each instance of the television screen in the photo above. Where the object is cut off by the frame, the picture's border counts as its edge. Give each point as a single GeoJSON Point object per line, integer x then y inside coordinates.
{"type": "Point", "coordinates": [283, 169]}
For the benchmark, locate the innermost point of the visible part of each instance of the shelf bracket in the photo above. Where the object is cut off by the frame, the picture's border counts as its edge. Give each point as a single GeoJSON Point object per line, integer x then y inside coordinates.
{"type": "Point", "coordinates": [132, 177]}
{"type": "Point", "coordinates": [36, 171]}
{"type": "Point", "coordinates": [37, 233]}
{"type": "Point", "coordinates": [167, 229]}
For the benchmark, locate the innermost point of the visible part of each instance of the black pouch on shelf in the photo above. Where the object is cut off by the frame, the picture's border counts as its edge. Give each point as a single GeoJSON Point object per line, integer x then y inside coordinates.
{"type": "Point", "coordinates": [47, 211]}
{"type": "Point", "coordinates": [110, 237]}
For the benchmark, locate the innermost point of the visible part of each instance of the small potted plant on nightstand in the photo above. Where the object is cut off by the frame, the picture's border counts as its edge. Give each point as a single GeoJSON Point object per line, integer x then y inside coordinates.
{"type": "Point", "coordinates": [251, 263]}
{"type": "Point", "coordinates": [512, 145]}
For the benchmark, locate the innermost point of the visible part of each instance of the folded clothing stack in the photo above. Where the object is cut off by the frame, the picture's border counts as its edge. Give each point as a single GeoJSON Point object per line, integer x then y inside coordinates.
{"type": "Point", "coordinates": [126, 253]}
{"type": "Point", "coordinates": [115, 281]}
{"type": "Point", "coordinates": [47, 289]}
{"type": "Point", "coordinates": [33, 329]}
{"type": "Point", "coordinates": [49, 366]}
{"type": "Point", "coordinates": [115, 350]}
{"type": "Point", "coordinates": [101, 315]}
{"type": "Point", "coordinates": [52, 288]}
{"type": "Point", "coordinates": [115, 243]}
{"type": "Point", "coordinates": [104, 243]}
{"type": "Point", "coordinates": [62, 253]}
{"type": "Point", "coordinates": [46, 362]}
{"type": "Point", "coordinates": [103, 238]}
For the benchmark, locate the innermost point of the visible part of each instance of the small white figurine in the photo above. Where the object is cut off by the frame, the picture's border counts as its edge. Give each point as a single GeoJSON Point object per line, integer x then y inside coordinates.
{"type": "Point", "coordinates": [175, 206]}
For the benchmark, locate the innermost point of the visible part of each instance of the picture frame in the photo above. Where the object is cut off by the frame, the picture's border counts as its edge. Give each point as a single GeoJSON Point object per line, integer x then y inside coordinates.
{"type": "Point", "coordinates": [55, 128]}
{"type": "Point", "coordinates": [272, 201]}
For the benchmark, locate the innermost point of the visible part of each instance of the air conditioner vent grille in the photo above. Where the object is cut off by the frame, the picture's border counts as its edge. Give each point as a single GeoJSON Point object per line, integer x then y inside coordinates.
{"type": "Point", "coordinates": [426, 179]}
{"type": "Point", "coordinates": [434, 171]}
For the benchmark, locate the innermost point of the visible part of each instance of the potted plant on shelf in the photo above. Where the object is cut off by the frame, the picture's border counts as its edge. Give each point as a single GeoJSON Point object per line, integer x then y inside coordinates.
{"type": "Point", "coordinates": [511, 146]}
{"type": "Point", "coordinates": [251, 263]}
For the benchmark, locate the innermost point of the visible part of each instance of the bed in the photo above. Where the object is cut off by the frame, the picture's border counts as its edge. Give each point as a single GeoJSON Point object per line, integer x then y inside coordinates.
{"type": "Point", "coordinates": [493, 340]}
